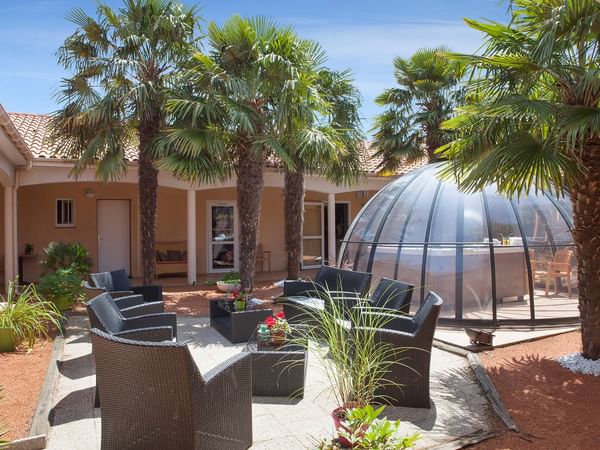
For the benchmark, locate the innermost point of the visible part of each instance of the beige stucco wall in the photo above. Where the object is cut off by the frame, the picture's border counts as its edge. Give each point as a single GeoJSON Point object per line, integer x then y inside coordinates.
{"type": "Point", "coordinates": [36, 218]}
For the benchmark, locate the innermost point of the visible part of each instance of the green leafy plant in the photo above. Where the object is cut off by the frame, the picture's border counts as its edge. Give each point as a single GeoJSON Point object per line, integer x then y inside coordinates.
{"type": "Point", "coordinates": [65, 255]}
{"type": "Point", "coordinates": [62, 286]}
{"type": "Point", "coordinates": [231, 277]}
{"type": "Point", "coordinates": [28, 249]}
{"type": "Point", "coordinates": [364, 430]}
{"type": "Point", "coordinates": [26, 315]}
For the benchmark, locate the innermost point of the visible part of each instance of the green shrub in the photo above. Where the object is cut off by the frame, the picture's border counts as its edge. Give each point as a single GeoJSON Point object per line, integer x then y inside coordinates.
{"type": "Point", "coordinates": [232, 277]}
{"type": "Point", "coordinates": [27, 314]}
{"type": "Point", "coordinates": [62, 283]}
{"type": "Point", "coordinates": [64, 255]}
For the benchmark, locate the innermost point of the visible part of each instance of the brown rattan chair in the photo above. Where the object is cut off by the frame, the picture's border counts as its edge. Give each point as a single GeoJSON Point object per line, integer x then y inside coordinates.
{"type": "Point", "coordinates": [154, 397]}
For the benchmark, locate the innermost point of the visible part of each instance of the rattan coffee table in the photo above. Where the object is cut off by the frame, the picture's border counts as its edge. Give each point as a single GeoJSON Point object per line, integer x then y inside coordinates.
{"type": "Point", "coordinates": [278, 371]}
{"type": "Point", "coordinates": [236, 326]}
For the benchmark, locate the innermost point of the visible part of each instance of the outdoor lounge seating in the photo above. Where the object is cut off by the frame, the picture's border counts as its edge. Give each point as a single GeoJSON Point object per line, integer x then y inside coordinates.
{"type": "Point", "coordinates": [301, 298]}
{"type": "Point", "coordinates": [154, 397]}
{"type": "Point", "coordinates": [413, 337]}
{"type": "Point", "coordinates": [392, 295]}
{"type": "Point", "coordinates": [134, 305]}
{"type": "Point", "coordinates": [105, 315]}
{"type": "Point", "coordinates": [117, 283]}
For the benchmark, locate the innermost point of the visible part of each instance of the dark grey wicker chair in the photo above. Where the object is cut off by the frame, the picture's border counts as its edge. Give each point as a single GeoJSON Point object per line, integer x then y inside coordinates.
{"type": "Point", "coordinates": [134, 305]}
{"type": "Point", "coordinates": [117, 283]}
{"type": "Point", "coordinates": [307, 296]}
{"type": "Point", "coordinates": [413, 337]}
{"type": "Point", "coordinates": [392, 295]}
{"type": "Point", "coordinates": [105, 315]}
{"type": "Point", "coordinates": [154, 397]}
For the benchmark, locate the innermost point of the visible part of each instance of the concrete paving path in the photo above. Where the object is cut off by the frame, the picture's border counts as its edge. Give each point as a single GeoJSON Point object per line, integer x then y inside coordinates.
{"type": "Point", "coordinates": [459, 406]}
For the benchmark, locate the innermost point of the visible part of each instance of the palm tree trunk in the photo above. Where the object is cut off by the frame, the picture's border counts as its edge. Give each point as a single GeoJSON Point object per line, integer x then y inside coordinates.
{"type": "Point", "coordinates": [585, 196]}
{"type": "Point", "coordinates": [294, 218]}
{"type": "Point", "coordinates": [147, 190]}
{"type": "Point", "coordinates": [249, 190]}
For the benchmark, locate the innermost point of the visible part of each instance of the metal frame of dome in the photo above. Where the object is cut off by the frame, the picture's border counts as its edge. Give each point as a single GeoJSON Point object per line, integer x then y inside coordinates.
{"type": "Point", "coordinates": [404, 225]}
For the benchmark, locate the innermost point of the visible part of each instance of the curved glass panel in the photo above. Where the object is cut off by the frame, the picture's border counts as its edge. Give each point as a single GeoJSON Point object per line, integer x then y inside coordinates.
{"type": "Point", "coordinates": [492, 259]}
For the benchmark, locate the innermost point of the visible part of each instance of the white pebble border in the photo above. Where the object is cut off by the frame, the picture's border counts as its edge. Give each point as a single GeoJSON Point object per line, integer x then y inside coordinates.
{"type": "Point", "coordinates": [577, 363]}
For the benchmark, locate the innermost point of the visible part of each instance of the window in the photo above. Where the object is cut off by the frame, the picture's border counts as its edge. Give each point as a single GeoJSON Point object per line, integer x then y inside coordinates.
{"type": "Point", "coordinates": [65, 215]}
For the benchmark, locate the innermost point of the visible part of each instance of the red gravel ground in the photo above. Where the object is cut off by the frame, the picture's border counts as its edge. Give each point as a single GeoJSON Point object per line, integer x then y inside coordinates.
{"type": "Point", "coordinates": [553, 407]}
{"type": "Point", "coordinates": [21, 375]}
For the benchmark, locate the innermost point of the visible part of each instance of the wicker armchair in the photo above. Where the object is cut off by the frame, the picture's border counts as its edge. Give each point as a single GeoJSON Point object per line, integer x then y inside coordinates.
{"type": "Point", "coordinates": [105, 315]}
{"type": "Point", "coordinates": [307, 296]}
{"type": "Point", "coordinates": [413, 337]}
{"type": "Point", "coordinates": [117, 283]}
{"type": "Point", "coordinates": [392, 295]}
{"type": "Point", "coordinates": [134, 305]}
{"type": "Point", "coordinates": [154, 397]}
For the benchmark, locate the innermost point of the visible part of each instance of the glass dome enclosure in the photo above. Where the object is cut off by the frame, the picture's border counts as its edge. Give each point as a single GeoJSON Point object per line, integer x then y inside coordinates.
{"type": "Point", "coordinates": [493, 260]}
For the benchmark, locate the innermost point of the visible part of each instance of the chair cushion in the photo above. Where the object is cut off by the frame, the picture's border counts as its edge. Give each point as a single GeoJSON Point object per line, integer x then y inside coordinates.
{"type": "Point", "coordinates": [120, 280]}
{"type": "Point", "coordinates": [103, 280]}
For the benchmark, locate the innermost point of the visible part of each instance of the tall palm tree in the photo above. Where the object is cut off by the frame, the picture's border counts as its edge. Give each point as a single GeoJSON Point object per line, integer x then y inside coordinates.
{"type": "Point", "coordinates": [535, 123]}
{"type": "Point", "coordinates": [123, 63]}
{"type": "Point", "coordinates": [226, 117]}
{"type": "Point", "coordinates": [326, 141]}
{"type": "Point", "coordinates": [409, 128]}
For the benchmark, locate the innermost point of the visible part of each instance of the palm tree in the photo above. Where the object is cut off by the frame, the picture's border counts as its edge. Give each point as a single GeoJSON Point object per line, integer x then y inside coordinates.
{"type": "Point", "coordinates": [410, 126]}
{"type": "Point", "coordinates": [327, 142]}
{"type": "Point", "coordinates": [123, 63]}
{"type": "Point", "coordinates": [227, 115]}
{"type": "Point", "coordinates": [535, 123]}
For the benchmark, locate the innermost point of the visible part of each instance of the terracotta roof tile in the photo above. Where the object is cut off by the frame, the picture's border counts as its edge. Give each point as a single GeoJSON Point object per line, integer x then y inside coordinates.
{"type": "Point", "coordinates": [33, 129]}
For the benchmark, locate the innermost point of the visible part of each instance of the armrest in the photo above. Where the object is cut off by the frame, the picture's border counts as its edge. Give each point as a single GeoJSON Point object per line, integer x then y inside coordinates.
{"type": "Point", "coordinates": [119, 294]}
{"type": "Point", "coordinates": [143, 309]}
{"type": "Point", "coordinates": [557, 265]}
{"type": "Point", "coordinates": [128, 301]}
{"type": "Point", "coordinates": [92, 291]}
{"type": "Point", "coordinates": [151, 293]}
{"type": "Point", "coordinates": [152, 320]}
{"type": "Point", "coordinates": [153, 334]}
{"type": "Point", "coordinates": [300, 288]}
{"type": "Point", "coordinates": [235, 362]}
{"type": "Point", "coordinates": [394, 322]}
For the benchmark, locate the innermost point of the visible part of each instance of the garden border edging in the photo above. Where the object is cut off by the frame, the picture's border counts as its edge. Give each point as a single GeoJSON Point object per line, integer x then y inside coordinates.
{"type": "Point", "coordinates": [40, 425]}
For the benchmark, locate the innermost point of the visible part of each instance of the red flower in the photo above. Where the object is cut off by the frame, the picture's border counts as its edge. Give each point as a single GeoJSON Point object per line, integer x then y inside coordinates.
{"type": "Point", "coordinates": [280, 315]}
{"type": "Point", "coordinates": [269, 322]}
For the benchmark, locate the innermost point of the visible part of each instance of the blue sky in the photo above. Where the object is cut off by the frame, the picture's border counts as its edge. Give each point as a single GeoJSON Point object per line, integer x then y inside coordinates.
{"type": "Point", "coordinates": [364, 36]}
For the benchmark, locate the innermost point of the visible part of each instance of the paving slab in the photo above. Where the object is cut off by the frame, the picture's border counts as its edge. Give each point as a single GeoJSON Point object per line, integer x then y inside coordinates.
{"type": "Point", "coordinates": [459, 407]}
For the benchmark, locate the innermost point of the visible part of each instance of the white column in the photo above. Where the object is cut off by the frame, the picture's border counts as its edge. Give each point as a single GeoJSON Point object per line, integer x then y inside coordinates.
{"type": "Point", "coordinates": [10, 234]}
{"type": "Point", "coordinates": [331, 229]}
{"type": "Point", "coordinates": [191, 237]}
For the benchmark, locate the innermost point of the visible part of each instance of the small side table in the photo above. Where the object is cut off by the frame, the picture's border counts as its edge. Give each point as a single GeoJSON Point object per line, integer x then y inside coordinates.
{"type": "Point", "coordinates": [236, 326]}
{"type": "Point", "coordinates": [278, 371]}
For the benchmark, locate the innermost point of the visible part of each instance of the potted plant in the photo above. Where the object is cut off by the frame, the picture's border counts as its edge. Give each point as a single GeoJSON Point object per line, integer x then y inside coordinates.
{"type": "Point", "coordinates": [230, 282]}
{"type": "Point", "coordinates": [239, 300]}
{"type": "Point", "coordinates": [28, 249]}
{"type": "Point", "coordinates": [25, 316]}
{"type": "Point", "coordinates": [354, 360]}
{"type": "Point", "coordinates": [278, 328]}
{"type": "Point", "coordinates": [62, 287]}
{"type": "Point", "coordinates": [64, 255]}
{"type": "Point", "coordinates": [364, 430]}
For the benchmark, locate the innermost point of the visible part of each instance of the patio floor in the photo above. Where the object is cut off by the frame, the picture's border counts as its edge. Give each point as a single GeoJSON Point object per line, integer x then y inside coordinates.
{"type": "Point", "coordinates": [459, 407]}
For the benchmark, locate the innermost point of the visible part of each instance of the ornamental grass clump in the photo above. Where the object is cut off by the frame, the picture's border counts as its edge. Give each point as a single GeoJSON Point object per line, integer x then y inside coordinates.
{"type": "Point", "coordinates": [26, 316]}
{"type": "Point", "coordinates": [354, 360]}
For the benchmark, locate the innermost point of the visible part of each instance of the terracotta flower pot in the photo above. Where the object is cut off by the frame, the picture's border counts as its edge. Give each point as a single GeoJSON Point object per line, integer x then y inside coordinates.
{"type": "Point", "coordinates": [338, 415]}
{"type": "Point", "coordinates": [278, 337]}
